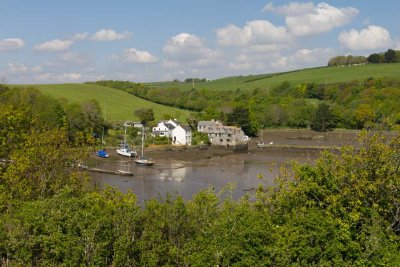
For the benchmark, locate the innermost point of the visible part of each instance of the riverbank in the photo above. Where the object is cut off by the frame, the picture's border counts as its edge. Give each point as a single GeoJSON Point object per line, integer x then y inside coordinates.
{"type": "Point", "coordinates": [277, 140]}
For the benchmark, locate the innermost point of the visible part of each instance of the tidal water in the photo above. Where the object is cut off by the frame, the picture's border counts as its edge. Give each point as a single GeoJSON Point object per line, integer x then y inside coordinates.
{"type": "Point", "coordinates": [245, 171]}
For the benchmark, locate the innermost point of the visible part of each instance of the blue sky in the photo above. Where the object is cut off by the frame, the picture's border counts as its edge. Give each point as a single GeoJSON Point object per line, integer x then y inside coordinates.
{"type": "Point", "coordinates": [53, 41]}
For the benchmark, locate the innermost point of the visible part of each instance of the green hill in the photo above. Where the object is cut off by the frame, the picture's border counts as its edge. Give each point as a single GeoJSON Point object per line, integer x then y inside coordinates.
{"type": "Point", "coordinates": [317, 75]}
{"type": "Point", "coordinates": [116, 104]}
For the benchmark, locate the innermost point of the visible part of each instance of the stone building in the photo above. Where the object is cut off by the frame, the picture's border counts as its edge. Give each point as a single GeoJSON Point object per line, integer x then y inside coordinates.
{"type": "Point", "coordinates": [220, 135]}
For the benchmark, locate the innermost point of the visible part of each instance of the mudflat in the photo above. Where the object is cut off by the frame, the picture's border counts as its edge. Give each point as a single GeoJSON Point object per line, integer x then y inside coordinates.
{"type": "Point", "coordinates": [277, 139]}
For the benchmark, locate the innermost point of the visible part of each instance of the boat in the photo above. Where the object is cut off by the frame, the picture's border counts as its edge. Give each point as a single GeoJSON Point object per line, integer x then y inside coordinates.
{"type": "Point", "coordinates": [142, 160]}
{"type": "Point", "coordinates": [125, 150]}
{"type": "Point", "coordinates": [102, 153]}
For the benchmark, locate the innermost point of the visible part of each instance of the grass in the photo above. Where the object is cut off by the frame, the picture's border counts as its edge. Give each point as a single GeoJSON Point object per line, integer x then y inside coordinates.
{"type": "Point", "coordinates": [317, 75]}
{"type": "Point", "coordinates": [116, 105]}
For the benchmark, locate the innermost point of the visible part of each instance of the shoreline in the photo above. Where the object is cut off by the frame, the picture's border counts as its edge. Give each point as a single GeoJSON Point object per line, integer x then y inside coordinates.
{"type": "Point", "coordinates": [285, 140]}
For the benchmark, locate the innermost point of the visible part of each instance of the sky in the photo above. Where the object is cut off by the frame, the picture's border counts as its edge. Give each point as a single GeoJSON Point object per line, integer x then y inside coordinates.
{"type": "Point", "coordinates": [55, 41]}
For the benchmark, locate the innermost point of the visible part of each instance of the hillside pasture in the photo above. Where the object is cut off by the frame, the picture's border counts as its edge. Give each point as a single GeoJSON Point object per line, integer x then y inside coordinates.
{"type": "Point", "coordinates": [319, 75]}
{"type": "Point", "coordinates": [116, 105]}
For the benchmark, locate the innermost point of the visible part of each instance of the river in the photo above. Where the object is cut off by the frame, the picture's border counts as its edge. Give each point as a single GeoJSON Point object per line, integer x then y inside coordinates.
{"type": "Point", "coordinates": [187, 177]}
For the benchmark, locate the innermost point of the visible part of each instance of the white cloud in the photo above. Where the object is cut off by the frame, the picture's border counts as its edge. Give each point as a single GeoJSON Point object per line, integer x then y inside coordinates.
{"type": "Point", "coordinates": [36, 69]}
{"type": "Point", "coordinates": [306, 19]}
{"type": "Point", "coordinates": [311, 57]}
{"type": "Point", "coordinates": [11, 44]}
{"type": "Point", "coordinates": [251, 62]}
{"type": "Point", "coordinates": [186, 55]}
{"type": "Point", "coordinates": [59, 78]}
{"type": "Point", "coordinates": [80, 36]}
{"type": "Point", "coordinates": [71, 76]}
{"type": "Point", "coordinates": [183, 42]}
{"type": "Point", "coordinates": [372, 37]}
{"type": "Point", "coordinates": [133, 55]}
{"type": "Point", "coordinates": [189, 49]}
{"type": "Point", "coordinates": [293, 8]}
{"type": "Point", "coordinates": [110, 35]}
{"type": "Point", "coordinates": [74, 58]}
{"type": "Point", "coordinates": [257, 32]}
{"type": "Point", "coordinates": [19, 67]}
{"type": "Point", "coordinates": [54, 45]}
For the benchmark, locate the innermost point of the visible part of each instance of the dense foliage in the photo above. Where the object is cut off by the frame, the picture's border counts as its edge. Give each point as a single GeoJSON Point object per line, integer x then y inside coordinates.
{"type": "Point", "coordinates": [323, 119]}
{"type": "Point", "coordinates": [371, 103]}
{"type": "Point", "coordinates": [390, 56]}
{"type": "Point", "coordinates": [145, 115]}
{"type": "Point", "coordinates": [27, 109]}
{"type": "Point", "coordinates": [344, 210]}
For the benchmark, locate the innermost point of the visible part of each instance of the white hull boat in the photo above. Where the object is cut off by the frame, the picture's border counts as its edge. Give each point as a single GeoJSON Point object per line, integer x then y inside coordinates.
{"type": "Point", "coordinates": [142, 160]}
{"type": "Point", "coordinates": [126, 152]}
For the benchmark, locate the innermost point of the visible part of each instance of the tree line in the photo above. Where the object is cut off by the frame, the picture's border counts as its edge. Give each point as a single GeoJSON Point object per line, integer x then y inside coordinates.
{"type": "Point", "coordinates": [24, 109]}
{"type": "Point", "coordinates": [390, 56]}
{"type": "Point", "coordinates": [370, 103]}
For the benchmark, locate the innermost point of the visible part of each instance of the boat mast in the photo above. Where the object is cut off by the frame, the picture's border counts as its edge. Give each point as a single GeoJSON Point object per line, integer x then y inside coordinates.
{"type": "Point", "coordinates": [102, 136]}
{"type": "Point", "coordinates": [125, 136]}
{"type": "Point", "coordinates": [142, 139]}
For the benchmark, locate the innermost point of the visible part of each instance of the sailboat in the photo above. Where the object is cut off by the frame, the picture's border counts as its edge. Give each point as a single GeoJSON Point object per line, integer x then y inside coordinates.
{"type": "Point", "coordinates": [125, 150]}
{"type": "Point", "coordinates": [142, 160]}
{"type": "Point", "coordinates": [102, 152]}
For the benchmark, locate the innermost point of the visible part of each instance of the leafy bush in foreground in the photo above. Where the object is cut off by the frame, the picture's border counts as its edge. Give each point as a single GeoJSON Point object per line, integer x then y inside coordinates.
{"type": "Point", "coordinates": [344, 210]}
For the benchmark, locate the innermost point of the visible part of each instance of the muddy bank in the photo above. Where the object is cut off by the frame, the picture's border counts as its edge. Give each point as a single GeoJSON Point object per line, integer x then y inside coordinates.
{"type": "Point", "coordinates": [285, 140]}
{"type": "Point", "coordinates": [308, 138]}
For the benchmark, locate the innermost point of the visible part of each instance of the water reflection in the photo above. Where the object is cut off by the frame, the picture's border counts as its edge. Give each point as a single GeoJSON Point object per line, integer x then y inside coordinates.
{"type": "Point", "coordinates": [187, 178]}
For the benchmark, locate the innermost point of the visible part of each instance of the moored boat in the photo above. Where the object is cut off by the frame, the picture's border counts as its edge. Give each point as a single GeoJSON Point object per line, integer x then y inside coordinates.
{"type": "Point", "coordinates": [125, 150]}
{"type": "Point", "coordinates": [142, 160]}
{"type": "Point", "coordinates": [102, 153]}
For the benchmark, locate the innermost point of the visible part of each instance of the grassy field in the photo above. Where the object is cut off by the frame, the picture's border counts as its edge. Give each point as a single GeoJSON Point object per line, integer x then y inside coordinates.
{"type": "Point", "coordinates": [116, 104]}
{"type": "Point", "coordinates": [317, 75]}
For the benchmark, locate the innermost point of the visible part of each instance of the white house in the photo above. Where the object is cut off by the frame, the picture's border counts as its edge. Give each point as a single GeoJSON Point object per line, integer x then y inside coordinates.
{"type": "Point", "coordinates": [179, 134]}
{"type": "Point", "coordinates": [164, 128]}
{"type": "Point", "coordinates": [182, 135]}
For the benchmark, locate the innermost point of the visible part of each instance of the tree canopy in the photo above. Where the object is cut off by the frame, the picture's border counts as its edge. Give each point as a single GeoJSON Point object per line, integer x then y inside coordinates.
{"type": "Point", "coordinates": [344, 210]}
{"type": "Point", "coordinates": [146, 115]}
{"type": "Point", "coordinates": [323, 119]}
